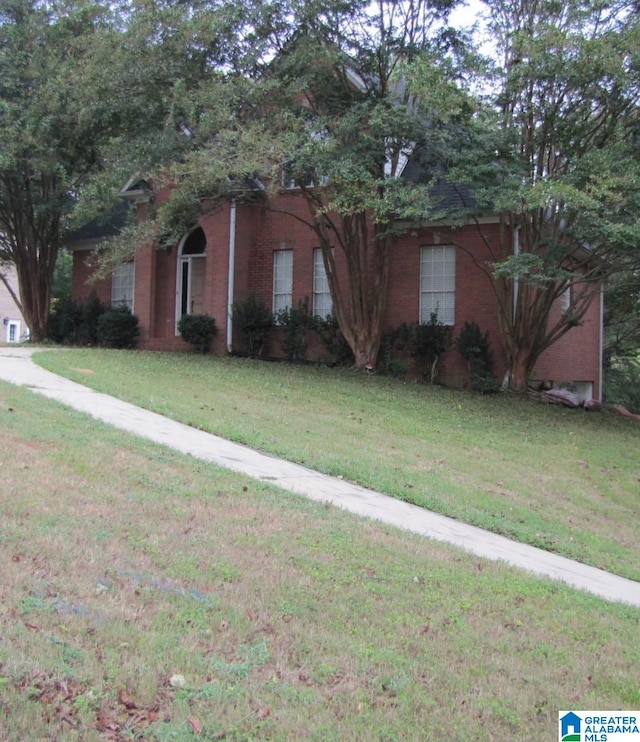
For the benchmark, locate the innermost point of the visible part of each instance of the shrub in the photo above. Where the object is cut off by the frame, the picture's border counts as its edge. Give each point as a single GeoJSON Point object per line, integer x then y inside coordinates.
{"type": "Point", "coordinates": [92, 310]}
{"type": "Point", "coordinates": [295, 324]}
{"type": "Point", "coordinates": [331, 337]}
{"type": "Point", "coordinates": [416, 345]}
{"type": "Point", "coordinates": [475, 348]}
{"type": "Point", "coordinates": [198, 330]}
{"type": "Point", "coordinates": [428, 343]}
{"type": "Point", "coordinates": [73, 322]}
{"type": "Point", "coordinates": [622, 383]}
{"type": "Point", "coordinates": [393, 353]}
{"type": "Point", "coordinates": [253, 319]}
{"type": "Point", "coordinates": [118, 328]}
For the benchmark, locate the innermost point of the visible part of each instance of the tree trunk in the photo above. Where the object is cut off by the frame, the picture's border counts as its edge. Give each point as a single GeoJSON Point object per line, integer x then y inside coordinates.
{"type": "Point", "coordinates": [360, 297]}
{"type": "Point", "coordinates": [35, 278]}
{"type": "Point", "coordinates": [32, 242]}
{"type": "Point", "coordinates": [365, 351]}
{"type": "Point", "coordinates": [519, 372]}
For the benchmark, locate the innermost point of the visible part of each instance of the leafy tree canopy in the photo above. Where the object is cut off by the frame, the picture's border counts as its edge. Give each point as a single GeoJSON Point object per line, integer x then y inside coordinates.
{"type": "Point", "coordinates": [555, 154]}
{"type": "Point", "coordinates": [83, 86]}
{"type": "Point", "coordinates": [332, 100]}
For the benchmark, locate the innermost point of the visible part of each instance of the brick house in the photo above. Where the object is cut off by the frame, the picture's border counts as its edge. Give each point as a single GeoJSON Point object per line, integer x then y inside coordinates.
{"type": "Point", "coordinates": [243, 248]}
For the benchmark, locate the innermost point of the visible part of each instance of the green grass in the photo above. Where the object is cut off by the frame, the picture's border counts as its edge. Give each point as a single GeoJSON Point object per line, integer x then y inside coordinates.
{"type": "Point", "coordinates": [149, 596]}
{"type": "Point", "coordinates": [564, 480]}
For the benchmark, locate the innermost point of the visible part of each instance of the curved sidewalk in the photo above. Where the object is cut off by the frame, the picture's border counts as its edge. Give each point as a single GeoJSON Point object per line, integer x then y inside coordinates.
{"type": "Point", "coordinates": [16, 367]}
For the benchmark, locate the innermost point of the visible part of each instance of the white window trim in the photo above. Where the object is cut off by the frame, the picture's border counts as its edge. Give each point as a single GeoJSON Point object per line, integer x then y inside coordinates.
{"type": "Point", "coordinates": [442, 257]}
{"type": "Point", "coordinates": [117, 299]}
{"type": "Point", "coordinates": [185, 261]}
{"type": "Point", "coordinates": [282, 295]}
{"type": "Point", "coordinates": [13, 323]}
{"type": "Point", "coordinates": [315, 180]}
{"type": "Point", "coordinates": [322, 300]}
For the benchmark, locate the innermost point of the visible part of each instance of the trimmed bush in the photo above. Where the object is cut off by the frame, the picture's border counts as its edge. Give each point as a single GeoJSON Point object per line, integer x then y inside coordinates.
{"type": "Point", "coordinates": [417, 347]}
{"type": "Point", "coordinates": [393, 354]}
{"type": "Point", "coordinates": [428, 343]}
{"type": "Point", "coordinates": [198, 330]}
{"type": "Point", "coordinates": [475, 348]}
{"type": "Point", "coordinates": [73, 322]}
{"type": "Point", "coordinates": [331, 337]}
{"type": "Point", "coordinates": [295, 325]}
{"type": "Point", "coordinates": [253, 319]}
{"type": "Point", "coordinates": [118, 328]}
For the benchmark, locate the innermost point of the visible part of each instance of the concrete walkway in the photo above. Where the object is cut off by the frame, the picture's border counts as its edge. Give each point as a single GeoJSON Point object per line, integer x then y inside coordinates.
{"type": "Point", "coordinates": [17, 368]}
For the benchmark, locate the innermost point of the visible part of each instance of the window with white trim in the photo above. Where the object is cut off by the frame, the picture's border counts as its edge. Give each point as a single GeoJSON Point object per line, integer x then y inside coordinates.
{"type": "Point", "coordinates": [322, 303]}
{"type": "Point", "coordinates": [282, 280]}
{"type": "Point", "coordinates": [13, 330]}
{"type": "Point", "coordinates": [122, 283]}
{"type": "Point", "coordinates": [438, 283]}
{"type": "Point", "coordinates": [311, 179]}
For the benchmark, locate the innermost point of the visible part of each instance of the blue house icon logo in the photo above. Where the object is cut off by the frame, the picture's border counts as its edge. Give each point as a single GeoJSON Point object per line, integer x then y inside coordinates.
{"type": "Point", "coordinates": [570, 728]}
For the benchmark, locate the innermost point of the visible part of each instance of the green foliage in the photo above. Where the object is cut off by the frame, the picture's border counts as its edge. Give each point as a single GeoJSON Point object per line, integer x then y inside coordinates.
{"type": "Point", "coordinates": [198, 330]}
{"type": "Point", "coordinates": [330, 335]}
{"type": "Point", "coordinates": [420, 346]}
{"type": "Point", "coordinates": [295, 325]}
{"type": "Point", "coordinates": [622, 384]}
{"type": "Point", "coordinates": [622, 316]}
{"type": "Point", "coordinates": [622, 341]}
{"type": "Point", "coordinates": [394, 351]}
{"type": "Point", "coordinates": [313, 81]}
{"type": "Point", "coordinates": [429, 341]}
{"type": "Point", "coordinates": [89, 94]}
{"type": "Point", "coordinates": [475, 348]}
{"type": "Point", "coordinates": [61, 287]}
{"type": "Point", "coordinates": [75, 322]}
{"type": "Point", "coordinates": [92, 322]}
{"type": "Point", "coordinates": [556, 153]}
{"type": "Point", "coordinates": [253, 319]}
{"type": "Point", "coordinates": [118, 328]}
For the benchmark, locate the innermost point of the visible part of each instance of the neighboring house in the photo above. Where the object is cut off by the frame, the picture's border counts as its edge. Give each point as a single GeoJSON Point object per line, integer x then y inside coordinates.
{"type": "Point", "coordinates": [14, 328]}
{"type": "Point", "coordinates": [246, 248]}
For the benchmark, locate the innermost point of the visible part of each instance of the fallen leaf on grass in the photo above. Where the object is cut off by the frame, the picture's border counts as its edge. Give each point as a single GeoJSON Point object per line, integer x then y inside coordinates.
{"type": "Point", "coordinates": [195, 725]}
{"type": "Point", "coordinates": [126, 700]}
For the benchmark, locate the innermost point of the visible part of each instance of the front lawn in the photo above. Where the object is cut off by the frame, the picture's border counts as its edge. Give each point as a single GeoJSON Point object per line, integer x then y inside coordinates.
{"type": "Point", "coordinates": [150, 596]}
{"type": "Point", "coordinates": [564, 480]}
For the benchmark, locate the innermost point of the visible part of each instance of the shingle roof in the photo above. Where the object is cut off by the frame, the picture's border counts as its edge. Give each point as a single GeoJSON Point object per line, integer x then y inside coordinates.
{"type": "Point", "coordinates": [103, 227]}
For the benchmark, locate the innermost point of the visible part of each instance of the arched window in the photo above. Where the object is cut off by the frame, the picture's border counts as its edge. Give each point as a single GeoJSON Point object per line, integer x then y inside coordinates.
{"type": "Point", "coordinates": [190, 275]}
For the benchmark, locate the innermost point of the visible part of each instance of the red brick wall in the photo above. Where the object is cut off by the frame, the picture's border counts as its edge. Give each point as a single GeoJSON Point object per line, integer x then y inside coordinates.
{"type": "Point", "coordinates": [260, 232]}
{"type": "Point", "coordinates": [475, 300]}
{"type": "Point", "coordinates": [82, 285]}
{"type": "Point", "coordinates": [575, 357]}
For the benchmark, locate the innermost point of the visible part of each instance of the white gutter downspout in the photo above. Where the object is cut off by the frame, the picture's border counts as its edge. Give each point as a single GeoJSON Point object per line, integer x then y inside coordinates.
{"type": "Point", "coordinates": [231, 273]}
{"type": "Point", "coordinates": [601, 349]}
